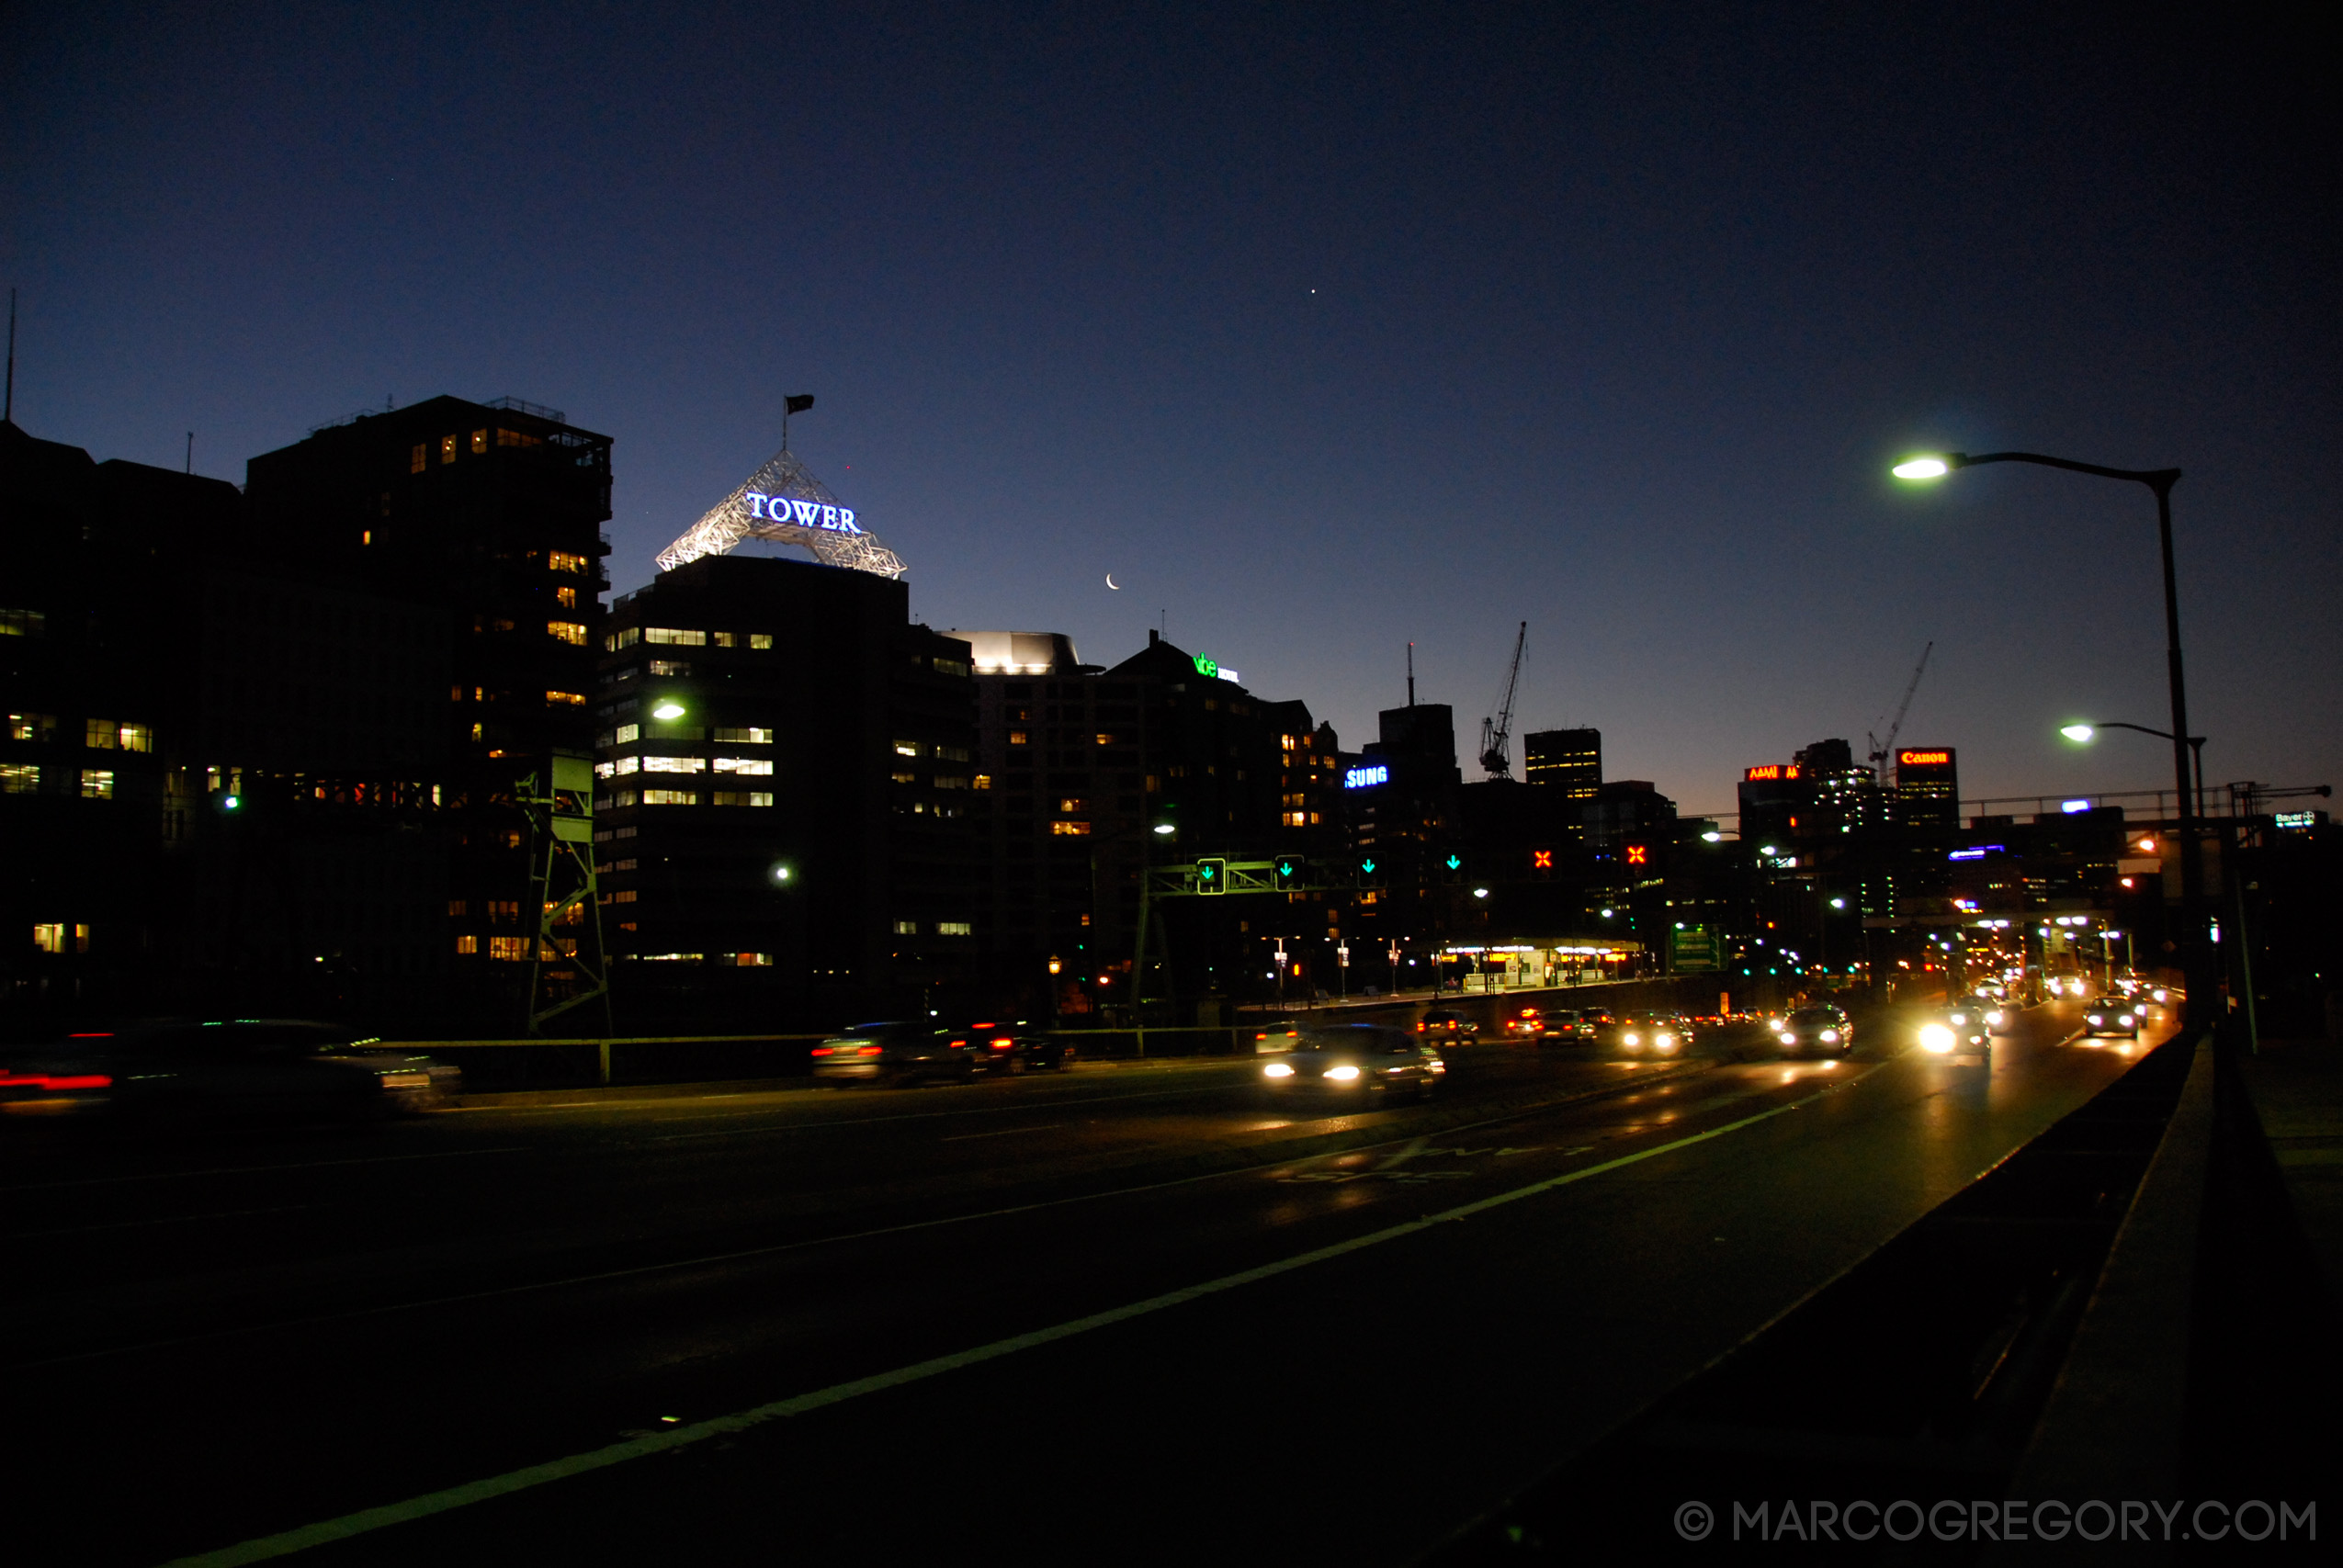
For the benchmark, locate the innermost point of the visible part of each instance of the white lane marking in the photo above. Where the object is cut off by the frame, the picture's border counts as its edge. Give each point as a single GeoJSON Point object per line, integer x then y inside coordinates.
{"type": "Point", "coordinates": [778, 1248]}
{"type": "Point", "coordinates": [1003, 1133]}
{"type": "Point", "coordinates": [365, 1520]}
{"type": "Point", "coordinates": [166, 1220]}
{"type": "Point", "coordinates": [250, 1169]}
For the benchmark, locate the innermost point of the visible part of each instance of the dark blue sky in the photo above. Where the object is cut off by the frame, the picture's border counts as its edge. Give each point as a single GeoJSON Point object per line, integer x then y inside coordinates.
{"type": "Point", "coordinates": [1322, 328]}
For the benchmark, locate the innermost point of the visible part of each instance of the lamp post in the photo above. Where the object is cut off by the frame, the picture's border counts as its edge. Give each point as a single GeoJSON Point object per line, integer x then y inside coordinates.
{"type": "Point", "coordinates": [2084, 734]}
{"type": "Point", "coordinates": [2161, 480]}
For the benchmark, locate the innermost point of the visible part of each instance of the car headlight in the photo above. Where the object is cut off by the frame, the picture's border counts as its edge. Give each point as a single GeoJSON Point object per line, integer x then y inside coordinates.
{"type": "Point", "coordinates": [1937, 1038]}
{"type": "Point", "coordinates": [1631, 1038]}
{"type": "Point", "coordinates": [1788, 1038]}
{"type": "Point", "coordinates": [1959, 1017]}
{"type": "Point", "coordinates": [2096, 1019]}
{"type": "Point", "coordinates": [1278, 1070]}
{"type": "Point", "coordinates": [1663, 1041]}
{"type": "Point", "coordinates": [1993, 1018]}
{"type": "Point", "coordinates": [2125, 1021]}
{"type": "Point", "coordinates": [1343, 1075]}
{"type": "Point", "coordinates": [1830, 1037]}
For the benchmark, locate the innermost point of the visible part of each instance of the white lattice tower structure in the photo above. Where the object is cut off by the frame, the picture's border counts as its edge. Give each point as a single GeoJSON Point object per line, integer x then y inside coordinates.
{"type": "Point", "coordinates": [784, 503]}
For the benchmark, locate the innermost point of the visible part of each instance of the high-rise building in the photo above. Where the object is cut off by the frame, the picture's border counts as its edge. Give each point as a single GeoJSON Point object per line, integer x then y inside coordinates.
{"type": "Point", "coordinates": [1076, 767]}
{"type": "Point", "coordinates": [783, 778]}
{"type": "Point", "coordinates": [1570, 759]}
{"type": "Point", "coordinates": [1928, 788]}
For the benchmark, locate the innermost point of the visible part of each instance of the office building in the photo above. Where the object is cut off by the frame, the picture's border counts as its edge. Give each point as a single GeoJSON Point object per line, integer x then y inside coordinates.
{"type": "Point", "coordinates": [1567, 759]}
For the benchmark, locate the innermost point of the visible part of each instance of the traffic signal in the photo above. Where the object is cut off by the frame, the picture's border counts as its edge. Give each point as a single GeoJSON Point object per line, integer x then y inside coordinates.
{"type": "Point", "coordinates": [1370, 873]}
{"type": "Point", "coordinates": [1542, 864]}
{"type": "Point", "coordinates": [1212, 876]}
{"type": "Point", "coordinates": [1289, 871]}
{"type": "Point", "coordinates": [1636, 854]}
{"type": "Point", "coordinates": [1452, 868]}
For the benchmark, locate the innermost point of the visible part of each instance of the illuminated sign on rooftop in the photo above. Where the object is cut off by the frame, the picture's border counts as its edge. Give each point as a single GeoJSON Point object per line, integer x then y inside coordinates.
{"type": "Point", "coordinates": [804, 513]}
{"type": "Point", "coordinates": [1978, 852]}
{"type": "Point", "coordinates": [1771, 770]}
{"type": "Point", "coordinates": [1938, 758]}
{"type": "Point", "coordinates": [1210, 669]}
{"type": "Point", "coordinates": [1368, 777]}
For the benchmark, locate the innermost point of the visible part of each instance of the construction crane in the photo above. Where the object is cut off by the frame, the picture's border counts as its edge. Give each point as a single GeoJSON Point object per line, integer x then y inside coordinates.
{"type": "Point", "coordinates": [1497, 733]}
{"type": "Point", "coordinates": [1882, 748]}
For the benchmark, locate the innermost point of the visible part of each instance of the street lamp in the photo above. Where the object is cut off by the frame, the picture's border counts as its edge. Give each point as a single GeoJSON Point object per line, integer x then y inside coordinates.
{"type": "Point", "coordinates": [668, 711]}
{"type": "Point", "coordinates": [1928, 466]}
{"type": "Point", "coordinates": [2084, 734]}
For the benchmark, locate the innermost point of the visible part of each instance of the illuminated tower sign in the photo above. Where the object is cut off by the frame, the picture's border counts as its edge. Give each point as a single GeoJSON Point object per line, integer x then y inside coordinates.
{"type": "Point", "coordinates": [784, 503]}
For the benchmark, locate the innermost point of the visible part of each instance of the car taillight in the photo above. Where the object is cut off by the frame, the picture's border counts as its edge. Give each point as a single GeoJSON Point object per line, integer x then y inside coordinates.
{"type": "Point", "coordinates": [55, 1080]}
{"type": "Point", "coordinates": [1003, 1043]}
{"type": "Point", "coordinates": [869, 1051]}
{"type": "Point", "coordinates": [959, 1044]}
{"type": "Point", "coordinates": [821, 1051]}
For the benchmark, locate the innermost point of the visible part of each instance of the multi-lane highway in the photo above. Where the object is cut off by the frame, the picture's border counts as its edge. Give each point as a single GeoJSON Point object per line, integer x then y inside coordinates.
{"type": "Point", "coordinates": [1131, 1314]}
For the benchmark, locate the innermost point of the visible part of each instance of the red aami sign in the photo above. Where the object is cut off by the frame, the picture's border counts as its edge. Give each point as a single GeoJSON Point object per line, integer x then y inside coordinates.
{"type": "Point", "coordinates": [1923, 759]}
{"type": "Point", "coordinates": [1771, 770]}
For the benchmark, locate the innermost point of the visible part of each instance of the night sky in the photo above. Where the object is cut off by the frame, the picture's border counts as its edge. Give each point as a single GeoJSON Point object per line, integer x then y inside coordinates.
{"type": "Point", "coordinates": [1323, 328]}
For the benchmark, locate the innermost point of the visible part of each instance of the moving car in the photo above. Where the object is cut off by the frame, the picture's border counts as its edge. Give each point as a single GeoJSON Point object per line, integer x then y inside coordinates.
{"type": "Point", "coordinates": [1823, 1029]}
{"type": "Point", "coordinates": [1275, 1034]}
{"type": "Point", "coordinates": [1957, 1030]}
{"type": "Point", "coordinates": [2110, 1015]}
{"type": "Point", "coordinates": [1530, 1024]}
{"type": "Point", "coordinates": [897, 1052]}
{"type": "Point", "coordinates": [222, 1070]}
{"type": "Point", "coordinates": [1007, 1049]}
{"type": "Point", "coordinates": [1355, 1062]}
{"type": "Point", "coordinates": [1652, 1033]}
{"type": "Point", "coordinates": [1577, 1024]}
{"type": "Point", "coordinates": [1965, 1010]}
{"type": "Point", "coordinates": [1441, 1023]}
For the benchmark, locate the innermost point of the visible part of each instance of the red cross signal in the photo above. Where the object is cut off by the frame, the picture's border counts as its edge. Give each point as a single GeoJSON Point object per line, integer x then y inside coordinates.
{"type": "Point", "coordinates": [1638, 855]}
{"type": "Point", "coordinates": [1542, 860]}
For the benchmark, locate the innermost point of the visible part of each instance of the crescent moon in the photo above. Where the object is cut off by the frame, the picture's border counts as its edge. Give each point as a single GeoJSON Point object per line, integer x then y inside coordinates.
{"type": "Point", "coordinates": [1111, 583]}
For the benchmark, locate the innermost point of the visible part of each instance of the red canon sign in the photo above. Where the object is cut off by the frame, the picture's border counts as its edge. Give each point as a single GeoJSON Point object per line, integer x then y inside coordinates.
{"type": "Point", "coordinates": [1942, 759]}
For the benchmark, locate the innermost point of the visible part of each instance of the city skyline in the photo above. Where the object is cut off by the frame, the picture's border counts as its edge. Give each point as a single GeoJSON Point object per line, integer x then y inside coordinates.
{"type": "Point", "coordinates": [1620, 343]}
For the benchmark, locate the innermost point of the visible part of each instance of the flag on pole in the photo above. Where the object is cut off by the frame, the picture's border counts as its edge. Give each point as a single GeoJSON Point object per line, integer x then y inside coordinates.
{"type": "Point", "coordinates": [797, 405]}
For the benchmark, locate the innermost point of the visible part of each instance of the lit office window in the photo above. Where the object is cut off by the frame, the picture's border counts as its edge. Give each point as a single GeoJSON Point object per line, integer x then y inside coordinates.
{"type": "Point", "coordinates": [761, 766]}
{"type": "Point", "coordinates": [564, 561]}
{"type": "Point", "coordinates": [566, 699]}
{"type": "Point", "coordinates": [951, 753]}
{"type": "Point", "coordinates": [98, 784]}
{"type": "Point", "coordinates": [626, 764]}
{"type": "Point", "coordinates": [566, 596]}
{"type": "Point", "coordinates": [468, 945]}
{"type": "Point", "coordinates": [726, 639]}
{"type": "Point", "coordinates": [50, 936]}
{"type": "Point", "coordinates": [33, 726]}
{"type": "Point", "coordinates": [955, 928]}
{"type": "Point", "coordinates": [744, 735]}
{"type": "Point", "coordinates": [907, 748]}
{"type": "Point", "coordinates": [950, 781]}
{"type": "Point", "coordinates": [571, 632]}
{"type": "Point", "coordinates": [136, 736]}
{"type": "Point", "coordinates": [1070, 829]}
{"type": "Point", "coordinates": [907, 928]}
{"type": "Point", "coordinates": [630, 733]}
{"type": "Point", "coordinates": [670, 797]}
{"type": "Point", "coordinates": [741, 797]}
{"type": "Point", "coordinates": [760, 640]}
{"type": "Point", "coordinates": [674, 764]}
{"type": "Point", "coordinates": [1016, 738]}
{"type": "Point", "coordinates": [19, 778]}
{"type": "Point", "coordinates": [23, 623]}
{"type": "Point", "coordinates": [982, 781]}
{"type": "Point", "coordinates": [680, 638]}
{"type": "Point", "coordinates": [508, 949]}
{"type": "Point", "coordinates": [618, 640]}
{"type": "Point", "coordinates": [99, 734]}
{"type": "Point", "coordinates": [415, 461]}
{"type": "Point", "coordinates": [906, 778]}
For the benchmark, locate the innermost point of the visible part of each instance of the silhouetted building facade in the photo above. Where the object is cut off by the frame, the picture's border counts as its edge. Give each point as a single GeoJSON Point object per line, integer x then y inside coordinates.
{"type": "Point", "coordinates": [783, 772]}
{"type": "Point", "coordinates": [1568, 759]}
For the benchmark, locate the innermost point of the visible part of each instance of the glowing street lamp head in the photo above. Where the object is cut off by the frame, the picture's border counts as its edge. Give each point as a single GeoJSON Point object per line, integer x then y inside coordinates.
{"type": "Point", "coordinates": [1166, 829]}
{"type": "Point", "coordinates": [1922, 469]}
{"type": "Point", "coordinates": [2080, 734]}
{"type": "Point", "coordinates": [668, 711]}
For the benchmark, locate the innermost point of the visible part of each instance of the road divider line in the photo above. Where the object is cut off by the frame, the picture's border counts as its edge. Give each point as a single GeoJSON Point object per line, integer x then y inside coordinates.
{"type": "Point", "coordinates": [367, 1520]}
